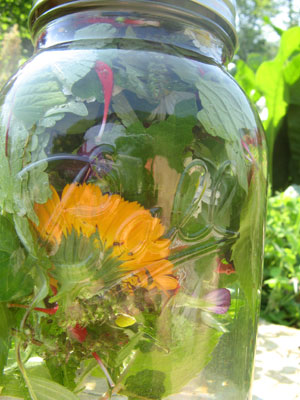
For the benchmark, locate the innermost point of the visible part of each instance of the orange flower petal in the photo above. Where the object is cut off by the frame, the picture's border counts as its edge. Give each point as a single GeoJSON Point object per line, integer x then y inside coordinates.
{"type": "Point", "coordinates": [126, 227]}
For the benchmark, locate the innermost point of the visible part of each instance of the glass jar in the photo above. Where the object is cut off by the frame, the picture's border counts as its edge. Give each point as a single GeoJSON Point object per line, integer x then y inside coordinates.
{"type": "Point", "coordinates": [133, 189]}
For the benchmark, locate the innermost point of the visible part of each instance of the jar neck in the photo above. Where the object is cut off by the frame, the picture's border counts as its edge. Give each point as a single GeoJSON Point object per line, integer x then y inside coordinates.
{"type": "Point", "coordinates": [113, 28]}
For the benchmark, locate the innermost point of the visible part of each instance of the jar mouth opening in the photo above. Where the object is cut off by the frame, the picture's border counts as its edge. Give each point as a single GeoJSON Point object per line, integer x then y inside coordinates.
{"type": "Point", "coordinates": [220, 12]}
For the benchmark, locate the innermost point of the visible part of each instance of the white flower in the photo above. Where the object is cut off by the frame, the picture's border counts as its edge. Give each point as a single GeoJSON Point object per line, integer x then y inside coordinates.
{"type": "Point", "coordinates": [205, 194]}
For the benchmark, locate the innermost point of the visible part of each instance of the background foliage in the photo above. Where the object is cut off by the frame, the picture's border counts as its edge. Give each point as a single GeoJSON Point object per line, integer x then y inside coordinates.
{"type": "Point", "coordinates": [269, 72]}
{"type": "Point", "coordinates": [281, 296]}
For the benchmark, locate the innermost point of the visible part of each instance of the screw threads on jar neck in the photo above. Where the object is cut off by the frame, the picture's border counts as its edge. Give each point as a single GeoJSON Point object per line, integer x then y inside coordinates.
{"type": "Point", "coordinates": [215, 16]}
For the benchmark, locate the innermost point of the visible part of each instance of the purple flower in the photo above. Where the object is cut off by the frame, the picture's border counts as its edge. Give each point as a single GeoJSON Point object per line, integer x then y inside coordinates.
{"type": "Point", "coordinates": [218, 301]}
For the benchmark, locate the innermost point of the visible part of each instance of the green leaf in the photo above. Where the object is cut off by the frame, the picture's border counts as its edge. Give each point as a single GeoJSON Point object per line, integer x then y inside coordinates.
{"type": "Point", "coordinates": [8, 237]}
{"type": "Point", "coordinates": [35, 95]}
{"type": "Point", "coordinates": [136, 182]}
{"type": "Point", "coordinates": [4, 336]}
{"type": "Point", "coordinates": [15, 279]}
{"type": "Point", "coordinates": [226, 111]}
{"type": "Point", "coordinates": [13, 388]}
{"type": "Point", "coordinates": [172, 136]}
{"type": "Point", "coordinates": [245, 76]}
{"type": "Point", "coordinates": [111, 133]}
{"type": "Point", "coordinates": [56, 113]}
{"type": "Point", "coordinates": [46, 389]}
{"type": "Point", "coordinates": [239, 165]}
{"type": "Point", "coordinates": [189, 350]}
{"type": "Point", "coordinates": [247, 250]}
{"type": "Point", "coordinates": [186, 108]}
{"type": "Point", "coordinates": [124, 110]}
{"type": "Point", "coordinates": [89, 87]}
{"type": "Point", "coordinates": [25, 235]}
{"type": "Point", "coordinates": [270, 81]}
{"type": "Point", "coordinates": [147, 383]}
{"type": "Point", "coordinates": [81, 66]}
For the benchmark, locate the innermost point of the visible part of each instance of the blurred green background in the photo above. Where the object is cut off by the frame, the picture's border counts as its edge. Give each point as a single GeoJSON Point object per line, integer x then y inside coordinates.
{"type": "Point", "coordinates": [267, 66]}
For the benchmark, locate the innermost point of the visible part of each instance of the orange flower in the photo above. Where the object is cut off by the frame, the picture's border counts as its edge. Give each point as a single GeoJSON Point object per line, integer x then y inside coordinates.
{"type": "Point", "coordinates": [126, 228]}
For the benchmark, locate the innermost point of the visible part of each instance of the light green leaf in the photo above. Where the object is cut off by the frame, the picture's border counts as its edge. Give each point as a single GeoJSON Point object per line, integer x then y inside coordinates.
{"type": "Point", "coordinates": [13, 388]}
{"type": "Point", "coordinates": [245, 76]}
{"type": "Point", "coordinates": [124, 110]}
{"type": "Point", "coordinates": [70, 107]}
{"type": "Point", "coordinates": [35, 96]}
{"type": "Point", "coordinates": [239, 166]}
{"type": "Point", "coordinates": [81, 66]}
{"type": "Point", "coordinates": [270, 81]}
{"type": "Point", "coordinates": [292, 70]}
{"type": "Point", "coordinates": [189, 350]}
{"type": "Point", "coordinates": [226, 111]}
{"type": "Point", "coordinates": [186, 107]}
{"type": "Point", "coordinates": [46, 389]}
{"type": "Point", "coordinates": [111, 133]}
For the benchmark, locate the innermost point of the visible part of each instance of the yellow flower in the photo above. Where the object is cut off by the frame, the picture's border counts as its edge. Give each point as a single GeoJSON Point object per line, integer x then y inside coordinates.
{"type": "Point", "coordinates": [129, 230]}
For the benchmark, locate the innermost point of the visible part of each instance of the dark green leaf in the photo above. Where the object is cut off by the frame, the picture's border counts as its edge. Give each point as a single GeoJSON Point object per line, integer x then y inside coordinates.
{"type": "Point", "coordinates": [146, 383]}
{"type": "Point", "coordinates": [4, 336]}
{"type": "Point", "coordinates": [15, 279]}
{"type": "Point", "coordinates": [172, 136]}
{"type": "Point", "coordinates": [8, 237]}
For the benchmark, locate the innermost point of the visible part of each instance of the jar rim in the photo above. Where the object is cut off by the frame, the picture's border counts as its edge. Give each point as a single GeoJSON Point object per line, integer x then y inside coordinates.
{"type": "Point", "coordinates": [223, 10]}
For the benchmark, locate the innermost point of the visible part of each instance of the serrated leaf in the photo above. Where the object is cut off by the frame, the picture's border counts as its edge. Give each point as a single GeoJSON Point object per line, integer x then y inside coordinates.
{"type": "Point", "coordinates": [226, 111]}
{"type": "Point", "coordinates": [73, 107]}
{"type": "Point", "coordinates": [81, 66]}
{"type": "Point", "coordinates": [35, 96]}
{"type": "Point", "coordinates": [12, 163]}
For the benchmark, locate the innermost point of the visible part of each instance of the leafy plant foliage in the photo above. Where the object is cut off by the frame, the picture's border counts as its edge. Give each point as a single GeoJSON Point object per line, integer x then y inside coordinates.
{"type": "Point", "coordinates": [281, 296]}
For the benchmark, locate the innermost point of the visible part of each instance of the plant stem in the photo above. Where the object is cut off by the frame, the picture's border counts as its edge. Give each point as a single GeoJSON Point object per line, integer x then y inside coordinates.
{"type": "Point", "coordinates": [19, 359]}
